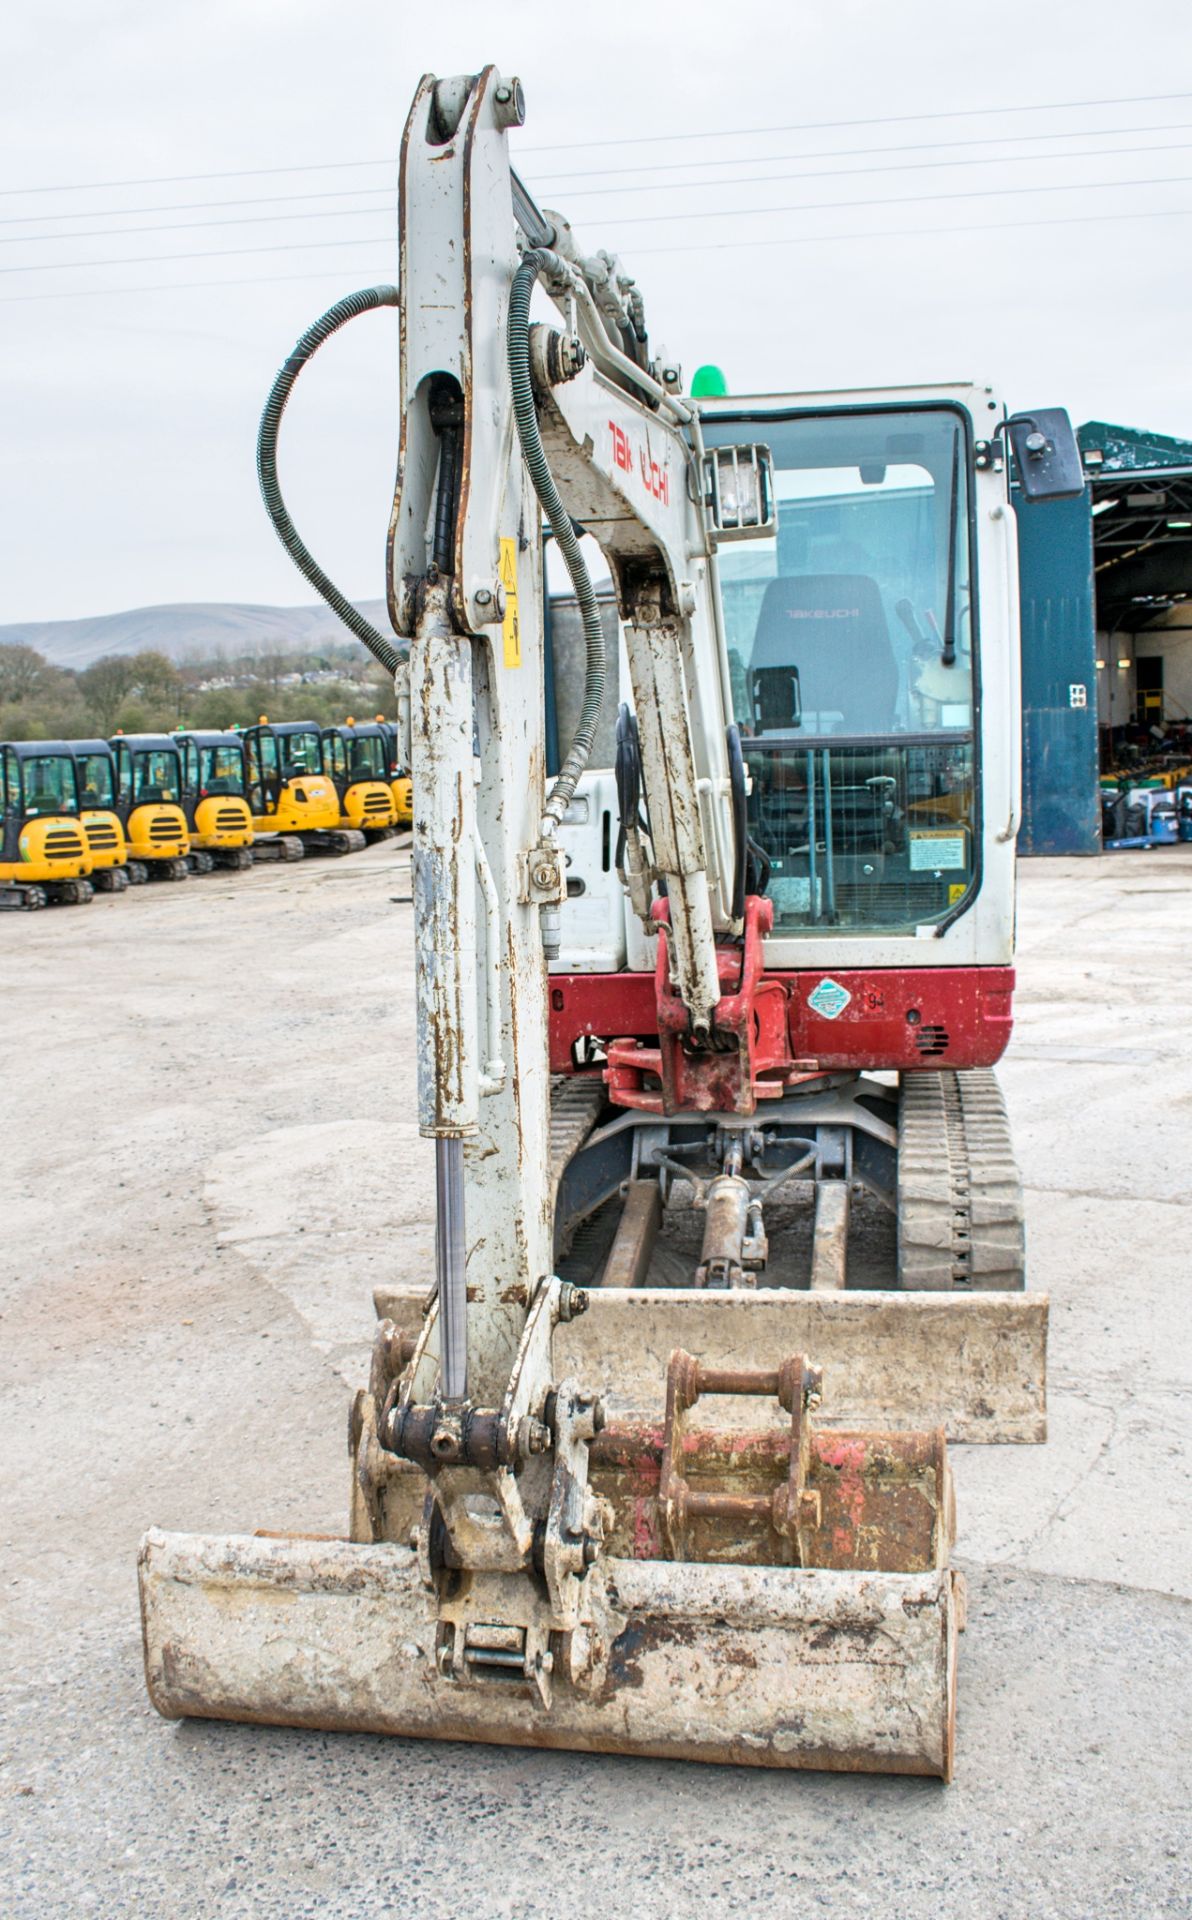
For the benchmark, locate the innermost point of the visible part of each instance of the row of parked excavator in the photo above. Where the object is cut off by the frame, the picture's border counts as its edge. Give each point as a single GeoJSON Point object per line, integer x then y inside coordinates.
{"type": "Point", "coordinates": [82, 815]}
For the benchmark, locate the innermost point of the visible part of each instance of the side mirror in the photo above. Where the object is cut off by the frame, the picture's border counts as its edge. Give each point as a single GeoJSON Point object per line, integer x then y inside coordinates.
{"type": "Point", "coordinates": [1046, 454]}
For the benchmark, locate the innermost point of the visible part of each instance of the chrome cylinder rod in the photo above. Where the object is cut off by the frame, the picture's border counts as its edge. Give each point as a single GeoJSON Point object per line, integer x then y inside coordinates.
{"type": "Point", "coordinates": [449, 1267]}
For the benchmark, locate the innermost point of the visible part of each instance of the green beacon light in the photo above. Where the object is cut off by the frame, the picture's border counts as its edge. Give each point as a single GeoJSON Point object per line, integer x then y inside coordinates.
{"type": "Point", "coordinates": [708, 383]}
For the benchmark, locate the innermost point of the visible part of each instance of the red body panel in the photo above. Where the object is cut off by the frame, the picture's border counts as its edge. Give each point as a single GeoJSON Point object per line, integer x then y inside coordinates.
{"type": "Point", "coordinates": [963, 1014]}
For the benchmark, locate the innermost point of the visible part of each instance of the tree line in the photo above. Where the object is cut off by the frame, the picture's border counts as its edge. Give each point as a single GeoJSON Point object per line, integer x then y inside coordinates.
{"type": "Point", "coordinates": [149, 693]}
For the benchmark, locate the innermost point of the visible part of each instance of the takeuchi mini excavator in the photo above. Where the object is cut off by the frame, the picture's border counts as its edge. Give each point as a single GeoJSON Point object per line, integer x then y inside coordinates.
{"type": "Point", "coordinates": [356, 759]}
{"type": "Point", "coordinates": [293, 802]}
{"type": "Point", "coordinates": [149, 802]}
{"type": "Point", "coordinates": [100, 818]}
{"type": "Point", "coordinates": [656, 1460]}
{"type": "Point", "coordinates": [43, 849]}
{"type": "Point", "coordinates": [214, 788]}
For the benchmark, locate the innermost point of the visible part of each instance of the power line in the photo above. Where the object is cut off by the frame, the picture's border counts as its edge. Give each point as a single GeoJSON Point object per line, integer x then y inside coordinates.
{"type": "Point", "coordinates": [204, 206]}
{"type": "Point", "coordinates": [632, 220]}
{"type": "Point", "coordinates": [745, 180]}
{"type": "Point", "coordinates": [703, 134]}
{"type": "Point", "coordinates": [872, 120]}
{"type": "Point", "coordinates": [771, 241]}
{"type": "Point", "coordinates": [852, 153]}
{"type": "Point", "coordinates": [193, 226]}
{"type": "Point", "coordinates": [895, 200]}
{"type": "Point", "coordinates": [210, 253]}
{"type": "Point", "coordinates": [603, 173]}
{"type": "Point", "coordinates": [901, 233]}
{"type": "Point", "coordinates": [363, 276]}
{"type": "Point", "coordinates": [845, 173]}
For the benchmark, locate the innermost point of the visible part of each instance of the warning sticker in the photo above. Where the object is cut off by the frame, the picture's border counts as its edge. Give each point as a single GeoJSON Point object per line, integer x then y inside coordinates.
{"type": "Point", "coordinates": [931, 851]}
{"type": "Point", "coordinates": [510, 628]}
{"type": "Point", "coordinates": [829, 998]}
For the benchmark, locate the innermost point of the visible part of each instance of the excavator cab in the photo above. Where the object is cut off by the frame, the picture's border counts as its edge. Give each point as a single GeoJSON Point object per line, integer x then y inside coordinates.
{"type": "Point", "coordinates": [400, 784]}
{"type": "Point", "coordinates": [293, 803]}
{"type": "Point", "coordinates": [214, 799]}
{"type": "Point", "coordinates": [44, 854]}
{"type": "Point", "coordinates": [356, 759]}
{"type": "Point", "coordinates": [149, 802]}
{"type": "Point", "coordinates": [99, 817]}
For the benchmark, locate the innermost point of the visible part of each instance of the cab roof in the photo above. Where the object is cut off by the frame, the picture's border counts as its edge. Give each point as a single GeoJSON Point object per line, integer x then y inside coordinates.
{"type": "Point", "coordinates": [147, 742]}
{"type": "Point", "coordinates": [213, 738]}
{"type": "Point", "coordinates": [40, 749]}
{"type": "Point", "coordinates": [90, 746]}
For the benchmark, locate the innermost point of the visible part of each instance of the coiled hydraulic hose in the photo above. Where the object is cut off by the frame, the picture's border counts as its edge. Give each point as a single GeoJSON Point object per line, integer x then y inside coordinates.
{"type": "Point", "coordinates": [526, 415]}
{"type": "Point", "coordinates": [390, 657]}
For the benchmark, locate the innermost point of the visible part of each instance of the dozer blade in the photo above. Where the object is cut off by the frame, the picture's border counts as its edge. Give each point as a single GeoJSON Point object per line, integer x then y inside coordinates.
{"type": "Point", "coordinates": [760, 1665]}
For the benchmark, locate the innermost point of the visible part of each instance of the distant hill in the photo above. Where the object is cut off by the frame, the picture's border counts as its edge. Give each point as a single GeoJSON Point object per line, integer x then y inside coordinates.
{"type": "Point", "coordinates": [198, 630]}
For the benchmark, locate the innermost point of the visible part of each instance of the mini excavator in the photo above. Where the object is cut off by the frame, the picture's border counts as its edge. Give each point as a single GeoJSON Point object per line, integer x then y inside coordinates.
{"type": "Point", "coordinates": [651, 1464]}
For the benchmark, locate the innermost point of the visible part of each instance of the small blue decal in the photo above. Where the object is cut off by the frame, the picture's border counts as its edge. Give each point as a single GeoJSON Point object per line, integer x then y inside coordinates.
{"type": "Point", "coordinates": [829, 998]}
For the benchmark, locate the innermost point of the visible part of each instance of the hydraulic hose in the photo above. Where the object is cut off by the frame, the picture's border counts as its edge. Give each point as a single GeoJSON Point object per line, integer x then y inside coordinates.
{"type": "Point", "coordinates": [526, 415]}
{"type": "Point", "coordinates": [390, 656]}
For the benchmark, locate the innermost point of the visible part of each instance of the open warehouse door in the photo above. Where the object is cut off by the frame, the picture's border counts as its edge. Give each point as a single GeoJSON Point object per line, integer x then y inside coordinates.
{"type": "Point", "coordinates": [1106, 611]}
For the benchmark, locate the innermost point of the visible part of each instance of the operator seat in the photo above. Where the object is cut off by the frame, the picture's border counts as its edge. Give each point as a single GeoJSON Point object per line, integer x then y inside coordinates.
{"type": "Point", "coordinates": [832, 627]}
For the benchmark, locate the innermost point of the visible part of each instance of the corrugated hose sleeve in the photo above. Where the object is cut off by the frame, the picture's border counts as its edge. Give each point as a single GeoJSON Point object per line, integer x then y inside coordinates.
{"type": "Point", "coordinates": [561, 525]}
{"type": "Point", "coordinates": [390, 656]}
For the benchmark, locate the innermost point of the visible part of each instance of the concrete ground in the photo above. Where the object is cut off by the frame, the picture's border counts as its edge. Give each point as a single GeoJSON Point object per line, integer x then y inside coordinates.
{"type": "Point", "coordinates": [209, 1160]}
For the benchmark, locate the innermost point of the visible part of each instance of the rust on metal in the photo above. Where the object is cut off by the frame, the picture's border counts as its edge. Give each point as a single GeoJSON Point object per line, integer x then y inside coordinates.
{"type": "Point", "coordinates": [637, 1230]}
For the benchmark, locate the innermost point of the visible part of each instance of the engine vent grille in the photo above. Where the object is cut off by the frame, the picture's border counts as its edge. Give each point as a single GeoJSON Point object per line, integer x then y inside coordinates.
{"type": "Point", "coordinates": [931, 1041]}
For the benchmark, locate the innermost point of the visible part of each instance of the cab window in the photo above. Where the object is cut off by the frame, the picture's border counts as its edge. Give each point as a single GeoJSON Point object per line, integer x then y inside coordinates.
{"type": "Point", "coordinates": [156, 776]}
{"type": "Point", "coordinates": [96, 784]}
{"type": "Point", "coordinates": [366, 758]}
{"type": "Point", "coordinates": [221, 770]}
{"type": "Point", "coordinates": [50, 785]}
{"type": "Point", "coordinates": [301, 753]}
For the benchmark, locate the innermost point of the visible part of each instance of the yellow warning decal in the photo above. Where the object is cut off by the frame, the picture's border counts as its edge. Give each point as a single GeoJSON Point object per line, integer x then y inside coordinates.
{"type": "Point", "coordinates": [510, 627]}
{"type": "Point", "coordinates": [956, 891]}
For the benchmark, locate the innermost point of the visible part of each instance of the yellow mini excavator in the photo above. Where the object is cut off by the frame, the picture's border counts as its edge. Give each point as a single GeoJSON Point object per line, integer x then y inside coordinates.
{"type": "Point", "coordinates": [44, 854]}
{"type": "Point", "coordinates": [295, 808]}
{"type": "Point", "coordinates": [214, 785]}
{"type": "Point", "coordinates": [356, 760]}
{"type": "Point", "coordinates": [149, 803]}
{"type": "Point", "coordinates": [400, 784]}
{"type": "Point", "coordinates": [655, 1461]}
{"type": "Point", "coordinates": [100, 819]}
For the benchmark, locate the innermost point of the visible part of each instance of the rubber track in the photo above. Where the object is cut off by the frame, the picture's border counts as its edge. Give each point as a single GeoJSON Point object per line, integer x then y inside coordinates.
{"type": "Point", "coordinates": [960, 1211]}
{"type": "Point", "coordinates": [575, 1103]}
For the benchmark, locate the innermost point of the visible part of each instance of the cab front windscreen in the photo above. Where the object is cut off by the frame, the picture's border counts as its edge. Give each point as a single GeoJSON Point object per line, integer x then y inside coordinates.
{"type": "Point", "coordinates": [221, 770]}
{"type": "Point", "coordinates": [367, 759]}
{"type": "Point", "coordinates": [851, 639]}
{"type": "Point", "coordinates": [156, 776]}
{"type": "Point", "coordinates": [48, 782]}
{"type": "Point", "coordinates": [97, 784]}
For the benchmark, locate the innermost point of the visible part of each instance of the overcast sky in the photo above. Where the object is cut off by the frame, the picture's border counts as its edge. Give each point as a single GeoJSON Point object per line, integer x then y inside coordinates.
{"type": "Point", "coordinates": [128, 418]}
